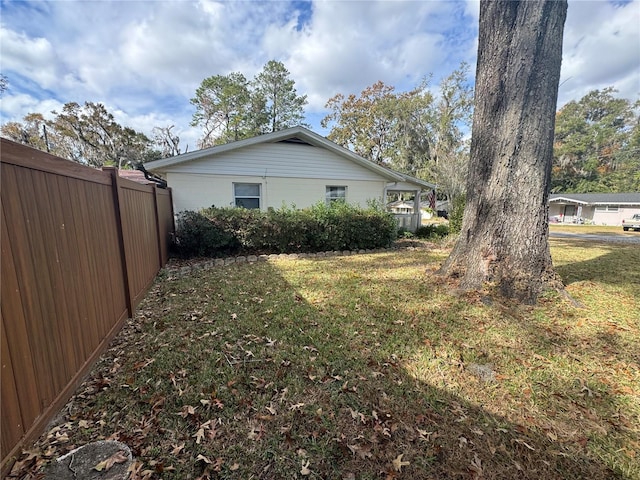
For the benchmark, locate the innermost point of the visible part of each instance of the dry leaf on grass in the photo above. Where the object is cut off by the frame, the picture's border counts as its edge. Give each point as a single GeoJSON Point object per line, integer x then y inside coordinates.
{"type": "Point", "coordinates": [398, 463]}
{"type": "Point", "coordinates": [105, 465]}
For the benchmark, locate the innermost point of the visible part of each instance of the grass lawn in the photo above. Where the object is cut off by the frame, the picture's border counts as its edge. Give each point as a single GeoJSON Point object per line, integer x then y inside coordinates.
{"type": "Point", "coordinates": [589, 229]}
{"type": "Point", "coordinates": [369, 367]}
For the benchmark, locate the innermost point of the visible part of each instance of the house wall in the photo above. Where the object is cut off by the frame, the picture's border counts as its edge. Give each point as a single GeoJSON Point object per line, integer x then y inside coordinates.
{"type": "Point", "coordinates": [196, 191]}
{"type": "Point", "coordinates": [593, 215]}
{"type": "Point", "coordinates": [614, 218]}
{"type": "Point", "coordinates": [286, 160]}
{"type": "Point", "coordinates": [288, 173]}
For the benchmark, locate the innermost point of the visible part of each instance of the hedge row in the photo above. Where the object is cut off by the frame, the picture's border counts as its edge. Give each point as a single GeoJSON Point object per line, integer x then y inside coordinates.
{"type": "Point", "coordinates": [216, 232]}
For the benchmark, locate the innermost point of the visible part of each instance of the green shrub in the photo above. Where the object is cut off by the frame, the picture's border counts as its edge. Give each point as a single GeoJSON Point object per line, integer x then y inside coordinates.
{"type": "Point", "coordinates": [339, 226]}
{"type": "Point", "coordinates": [432, 231]}
{"type": "Point", "coordinates": [404, 233]}
{"type": "Point", "coordinates": [198, 236]}
{"type": "Point", "coordinates": [456, 213]}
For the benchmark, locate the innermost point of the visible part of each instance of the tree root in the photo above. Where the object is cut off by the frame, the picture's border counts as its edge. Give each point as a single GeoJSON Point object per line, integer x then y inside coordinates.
{"type": "Point", "coordinates": [572, 301]}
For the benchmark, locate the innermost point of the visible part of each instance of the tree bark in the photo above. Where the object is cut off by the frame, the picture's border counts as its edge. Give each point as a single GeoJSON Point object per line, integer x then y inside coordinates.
{"type": "Point", "coordinates": [504, 237]}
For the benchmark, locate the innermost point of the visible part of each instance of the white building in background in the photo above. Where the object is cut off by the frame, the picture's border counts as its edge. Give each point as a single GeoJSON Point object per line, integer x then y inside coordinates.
{"type": "Point", "coordinates": [594, 208]}
{"type": "Point", "coordinates": [292, 167]}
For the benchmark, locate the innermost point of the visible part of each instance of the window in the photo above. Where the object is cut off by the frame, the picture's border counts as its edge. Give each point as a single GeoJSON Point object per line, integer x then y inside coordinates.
{"type": "Point", "coordinates": [607, 208]}
{"type": "Point", "coordinates": [246, 195]}
{"type": "Point", "coordinates": [334, 194]}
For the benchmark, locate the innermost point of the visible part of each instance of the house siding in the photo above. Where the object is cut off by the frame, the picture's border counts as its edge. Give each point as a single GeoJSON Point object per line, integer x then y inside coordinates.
{"type": "Point", "coordinates": [591, 215]}
{"type": "Point", "coordinates": [193, 191]}
{"type": "Point", "coordinates": [283, 160]}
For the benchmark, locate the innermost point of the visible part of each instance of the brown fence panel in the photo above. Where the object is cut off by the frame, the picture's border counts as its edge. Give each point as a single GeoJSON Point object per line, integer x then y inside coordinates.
{"type": "Point", "coordinates": [166, 226]}
{"type": "Point", "coordinates": [79, 248]}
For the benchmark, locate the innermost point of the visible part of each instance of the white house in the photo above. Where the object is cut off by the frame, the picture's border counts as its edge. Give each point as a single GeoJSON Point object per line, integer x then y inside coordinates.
{"type": "Point", "coordinates": [596, 208]}
{"type": "Point", "coordinates": [293, 167]}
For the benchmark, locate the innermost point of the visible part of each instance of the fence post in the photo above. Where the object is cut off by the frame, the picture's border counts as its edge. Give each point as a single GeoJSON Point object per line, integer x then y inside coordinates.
{"type": "Point", "coordinates": [117, 202]}
{"type": "Point", "coordinates": [158, 226]}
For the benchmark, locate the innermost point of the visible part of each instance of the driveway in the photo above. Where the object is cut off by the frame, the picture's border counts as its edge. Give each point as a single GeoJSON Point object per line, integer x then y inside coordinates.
{"type": "Point", "coordinates": [633, 237]}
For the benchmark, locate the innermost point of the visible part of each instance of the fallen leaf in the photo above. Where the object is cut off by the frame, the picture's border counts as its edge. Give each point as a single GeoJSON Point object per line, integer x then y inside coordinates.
{"type": "Point", "coordinates": [203, 458]}
{"type": "Point", "coordinates": [476, 465]}
{"type": "Point", "coordinates": [363, 451]}
{"type": "Point", "coordinates": [177, 449]}
{"type": "Point", "coordinates": [187, 410]}
{"type": "Point", "coordinates": [199, 435]}
{"type": "Point", "coordinates": [305, 469]}
{"type": "Point", "coordinates": [398, 463]}
{"type": "Point", "coordinates": [234, 467]}
{"type": "Point", "coordinates": [105, 465]}
{"type": "Point", "coordinates": [522, 442]}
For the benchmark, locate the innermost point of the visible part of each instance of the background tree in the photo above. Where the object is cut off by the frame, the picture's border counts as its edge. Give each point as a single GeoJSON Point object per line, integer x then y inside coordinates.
{"type": "Point", "coordinates": [167, 142]}
{"type": "Point", "coordinates": [223, 106]}
{"type": "Point", "coordinates": [230, 108]}
{"type": "Point", "coordinates": [594, 148]}
{"type": "Point", "coordinates": [284, 107]}
{"type": "Point", "coordinates": [92, 136]}
{"type": "Point", "coordinates": [413, 115]}
{"type": "Point", "coordinates": [86, 134]}
{"type": "Point", "coordinates": [31, 131]}
{"type": "Point", "coordinates": [413, 132]}
{"type": "Point", "coordinates": [365, 124]}
{"type": "Point", "coordinates": [450, 122]}
{"type": "Point", "coordinates": [504, 236]}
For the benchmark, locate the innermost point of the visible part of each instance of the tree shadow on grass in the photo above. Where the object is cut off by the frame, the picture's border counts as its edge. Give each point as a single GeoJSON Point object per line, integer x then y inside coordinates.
{"type": "Point", "coordinates": [318, 371]}
{"type": "Point", "coordinates": [619, 266]}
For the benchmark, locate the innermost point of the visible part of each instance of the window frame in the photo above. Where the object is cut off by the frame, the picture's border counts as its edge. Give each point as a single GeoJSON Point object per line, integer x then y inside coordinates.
{"type": "Point", "coordinates": [607, 208]}
{"type": "Point", "coordinates": [329, 198]}
{"type": "Point", "coordinates": [236, 197]}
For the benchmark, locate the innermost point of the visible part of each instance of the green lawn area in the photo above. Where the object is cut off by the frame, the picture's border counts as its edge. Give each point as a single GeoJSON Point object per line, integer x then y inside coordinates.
{"type": "Point", "coordinates": [588, 229]}
{"type": "Point", "coordinates": [368, 367]}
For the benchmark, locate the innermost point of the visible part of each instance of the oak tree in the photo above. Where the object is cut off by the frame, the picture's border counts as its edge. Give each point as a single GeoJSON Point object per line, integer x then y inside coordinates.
{"type": "Point", "coordinates": [504, 235]}
{"type": "Point", "coordinates": [365, 124]}
{"type": "Point", "coordinates": [594, 149]}
{"type": "Point", "coordinates": [87, 134]}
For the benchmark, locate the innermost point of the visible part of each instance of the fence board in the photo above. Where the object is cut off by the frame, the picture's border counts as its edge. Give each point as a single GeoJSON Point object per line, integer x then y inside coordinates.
{"type": "Point", "coordinates": [12, 423]}
{"type": "Point", "coordinates": [79, 248]}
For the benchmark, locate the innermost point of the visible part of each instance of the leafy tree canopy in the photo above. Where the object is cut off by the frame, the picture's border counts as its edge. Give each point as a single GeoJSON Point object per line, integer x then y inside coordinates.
{"type": "Point", "coordinates": [230, 108]}
{"type": "Point", "coordinates": [86, 133]}
{"type": "Point", "coordinates": [597, 144]}
{"type": "Point", "coordinates": [415, 132]}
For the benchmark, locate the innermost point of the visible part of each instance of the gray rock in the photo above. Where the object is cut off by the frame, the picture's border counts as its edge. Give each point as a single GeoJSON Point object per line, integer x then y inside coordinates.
{"type": "Point", "coordinates": [81, 462]}
{"type": "Point", "coordinates": [484, 372]}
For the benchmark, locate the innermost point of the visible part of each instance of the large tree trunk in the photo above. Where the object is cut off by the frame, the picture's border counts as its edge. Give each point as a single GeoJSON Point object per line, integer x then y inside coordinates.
{"type": "Point", "coordinates": [504, 237]}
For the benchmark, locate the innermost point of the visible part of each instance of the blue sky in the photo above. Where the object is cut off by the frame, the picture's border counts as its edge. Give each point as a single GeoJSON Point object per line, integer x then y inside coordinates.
{"type": "Point", "coordinates": [145, 59]}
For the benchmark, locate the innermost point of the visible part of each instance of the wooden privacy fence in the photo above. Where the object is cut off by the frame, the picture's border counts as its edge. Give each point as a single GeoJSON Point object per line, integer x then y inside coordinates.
{"type": "Point", "coordinates": [80, 247]}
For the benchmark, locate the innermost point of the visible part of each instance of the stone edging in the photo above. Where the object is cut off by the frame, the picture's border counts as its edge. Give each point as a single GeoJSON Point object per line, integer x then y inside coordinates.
{"type": "Point", "coordinates": [223, 262]}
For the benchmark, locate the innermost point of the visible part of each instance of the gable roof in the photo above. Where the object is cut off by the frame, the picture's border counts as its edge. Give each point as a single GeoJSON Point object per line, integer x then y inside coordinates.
{"type": "Point", "coordinates": [298, 135]}
{"type": "Point", "coordinates": [632, 198]}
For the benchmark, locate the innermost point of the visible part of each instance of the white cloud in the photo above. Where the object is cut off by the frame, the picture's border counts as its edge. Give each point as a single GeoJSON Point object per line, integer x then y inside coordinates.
{"type": "Point", "coordinates": [601, 49]}
{"type": "Point", "coordinates": [350, 45]}
{"type": "Point", "coordinates": [16, 106]}
{"type": "Point", "coordinates": [27, 56]}
{"type": "Point", "coordinates": [147, 58]}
